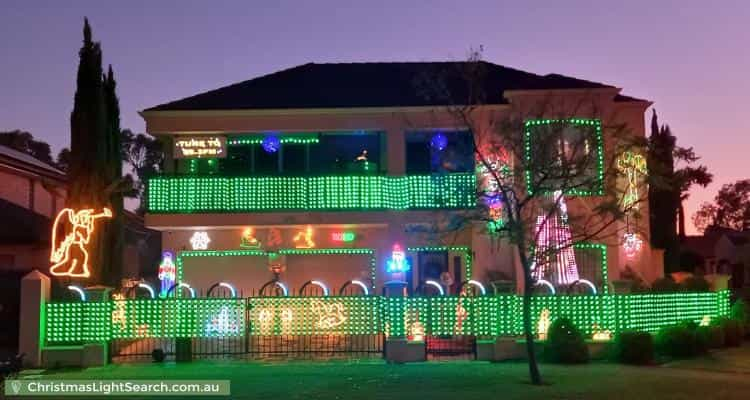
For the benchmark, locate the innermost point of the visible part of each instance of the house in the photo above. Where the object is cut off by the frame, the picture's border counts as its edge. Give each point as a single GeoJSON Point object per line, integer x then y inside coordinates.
{"type": "Point", "coordinates": [32, 194]}
{"type": "Point", "coordinates": [322, 178]}
{"type": "Point", "coordinates": [721, 251]}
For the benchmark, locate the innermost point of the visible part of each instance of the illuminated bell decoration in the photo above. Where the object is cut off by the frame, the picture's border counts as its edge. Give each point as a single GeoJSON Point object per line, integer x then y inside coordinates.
{"type": "Point", "coordinates": [439, 141]}
{"type": "Point", "coordinates": [271, 143]}
{"type": "Point", "coordinates": [200, 240]}
{"type": "Point", "coordinates": [398, 261]}
{"type": "Point", "coordinates": [632, 244]}
{"type": "Point", "coordinates": [69, 255]}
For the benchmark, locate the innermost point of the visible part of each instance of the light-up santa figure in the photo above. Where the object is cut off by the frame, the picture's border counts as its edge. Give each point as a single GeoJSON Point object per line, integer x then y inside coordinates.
{"type": "Point", "coordinates": [167, 273]}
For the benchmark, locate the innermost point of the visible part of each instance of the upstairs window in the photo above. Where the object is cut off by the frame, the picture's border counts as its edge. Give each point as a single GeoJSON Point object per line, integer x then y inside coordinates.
{"type": "Point", "coordinates": [564, 154]}
{"type": "Point", "coordinates": [348, 153]}
{"type": "Point", "coordinates": [437, 151]}
{"type": "Point", "coordinates": [295, 154]}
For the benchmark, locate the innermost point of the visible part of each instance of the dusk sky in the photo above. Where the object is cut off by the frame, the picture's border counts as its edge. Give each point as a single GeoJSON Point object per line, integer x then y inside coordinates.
{"type": "Point", "coordinates": [691, 61]}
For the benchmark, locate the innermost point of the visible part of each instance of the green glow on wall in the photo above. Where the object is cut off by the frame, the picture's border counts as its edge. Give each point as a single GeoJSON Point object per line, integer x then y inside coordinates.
{"type": "Point", "coordinates": [262, 253]}
{"type": "Point", "coordinates": [488, 316]}
{"type": "Point", "coordinates": [237, 194]}
{"type": "Point", "coordinates": [530, 125]}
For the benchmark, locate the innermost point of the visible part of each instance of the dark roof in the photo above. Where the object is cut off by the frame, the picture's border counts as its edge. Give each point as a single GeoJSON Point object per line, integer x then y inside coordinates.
{"type": "Point", "coordinates": [703, 245]}
{"type": "Point", "coordinates": [22, 226]}
{"type": "Point", "coordinates": [389, 84]}
{"type": "Point", "coordinates": [29, 163]}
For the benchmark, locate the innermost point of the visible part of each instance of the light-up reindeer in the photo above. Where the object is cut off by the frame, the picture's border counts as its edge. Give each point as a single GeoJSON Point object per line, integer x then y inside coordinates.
{"type": "Point", "coordinates": [69, 255]}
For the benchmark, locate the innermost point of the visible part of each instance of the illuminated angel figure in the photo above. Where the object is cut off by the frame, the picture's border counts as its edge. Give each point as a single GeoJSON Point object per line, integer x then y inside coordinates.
{"type": "Point", "coordinates": [69, 254]}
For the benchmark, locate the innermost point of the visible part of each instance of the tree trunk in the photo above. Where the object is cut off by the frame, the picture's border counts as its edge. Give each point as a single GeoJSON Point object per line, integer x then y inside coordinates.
{"type": "Point", "coordinates": [536, 378]}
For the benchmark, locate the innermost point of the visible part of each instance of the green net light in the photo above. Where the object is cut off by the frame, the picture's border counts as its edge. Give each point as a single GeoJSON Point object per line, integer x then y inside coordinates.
{"type": "Point", "coordinates": [485, 316]}
{"type": "Point", "coordinates": [237, 194]}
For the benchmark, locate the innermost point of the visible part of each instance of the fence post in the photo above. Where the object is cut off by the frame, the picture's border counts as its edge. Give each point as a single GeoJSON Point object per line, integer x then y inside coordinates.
{"type": "Point", "coordinates": [96, 353]}
{"type": "Point", "coordinates": [397, 348]}
{"type": "Point", "coordinates": [35, 292]}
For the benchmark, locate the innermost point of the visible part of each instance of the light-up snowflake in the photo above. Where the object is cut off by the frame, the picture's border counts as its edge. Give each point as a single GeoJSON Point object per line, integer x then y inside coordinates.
{"type": "Point", "coordinates": [200, 240]}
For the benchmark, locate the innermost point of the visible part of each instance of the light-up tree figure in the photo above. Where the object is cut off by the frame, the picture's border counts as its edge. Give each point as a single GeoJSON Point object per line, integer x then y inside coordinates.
{"type": "Point", "coordinates": [554, 256]}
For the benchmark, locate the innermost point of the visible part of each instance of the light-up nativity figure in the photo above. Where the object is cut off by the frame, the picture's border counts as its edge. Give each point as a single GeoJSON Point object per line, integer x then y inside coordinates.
{"type": "Point", "coordinates": [554, 256]}
{"type": "Point", "coordinates": [167, 273]}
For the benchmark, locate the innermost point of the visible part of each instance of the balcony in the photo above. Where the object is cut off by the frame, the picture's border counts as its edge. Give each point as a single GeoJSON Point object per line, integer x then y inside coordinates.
{"type": "Point", "coordinates": [217, 194]}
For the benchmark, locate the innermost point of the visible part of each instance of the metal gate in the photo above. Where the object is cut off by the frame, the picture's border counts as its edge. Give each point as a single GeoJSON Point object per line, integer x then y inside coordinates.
{"type": "Point", "coordinates": [253, 343]}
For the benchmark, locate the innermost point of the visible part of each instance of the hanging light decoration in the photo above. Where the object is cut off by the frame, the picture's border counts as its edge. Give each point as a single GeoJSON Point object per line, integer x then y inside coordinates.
{"type": "Point", "coordinates": [271, 143]}
{"type": "Point", "coordinates": [439, 141]}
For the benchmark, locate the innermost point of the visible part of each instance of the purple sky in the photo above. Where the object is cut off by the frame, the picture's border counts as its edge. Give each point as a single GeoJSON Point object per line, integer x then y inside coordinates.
{"type": "Point", "coordinates": [692, 61]}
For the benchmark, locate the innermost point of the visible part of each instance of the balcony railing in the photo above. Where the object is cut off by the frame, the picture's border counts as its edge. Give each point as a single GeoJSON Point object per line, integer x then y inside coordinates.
{"type": "Point", "coordinates": [319, 193]}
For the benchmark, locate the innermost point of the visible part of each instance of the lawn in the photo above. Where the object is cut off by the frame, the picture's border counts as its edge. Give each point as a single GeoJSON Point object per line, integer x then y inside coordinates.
{"type": "Point", "coordinates": [440, 380]}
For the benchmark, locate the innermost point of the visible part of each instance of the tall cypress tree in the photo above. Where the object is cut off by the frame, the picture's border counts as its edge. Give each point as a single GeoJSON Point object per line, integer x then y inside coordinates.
{"type": "Point", "coordinates": [94, 169]}
{"type": "Point", "coordinates": [112, 268]}
{"type": "Point", "coordinates": [664, 194]}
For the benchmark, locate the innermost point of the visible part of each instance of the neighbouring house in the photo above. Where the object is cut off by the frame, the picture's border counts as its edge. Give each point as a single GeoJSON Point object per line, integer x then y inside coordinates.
{"type": "Point", "coordinates": [31, 195]}
{"type": "Point", "coordinates": [323, 176]}
{"type": "Point", "coordinates": [720, 251]}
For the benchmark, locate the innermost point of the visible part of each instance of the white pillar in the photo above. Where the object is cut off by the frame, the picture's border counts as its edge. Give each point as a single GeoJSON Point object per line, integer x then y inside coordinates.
{"type": "Point", "coordinates": [35, 291]}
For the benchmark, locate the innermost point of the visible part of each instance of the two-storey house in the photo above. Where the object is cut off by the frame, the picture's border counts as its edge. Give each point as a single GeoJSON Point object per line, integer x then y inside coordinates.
{"type": "Point", "coordinates": [330, 175]}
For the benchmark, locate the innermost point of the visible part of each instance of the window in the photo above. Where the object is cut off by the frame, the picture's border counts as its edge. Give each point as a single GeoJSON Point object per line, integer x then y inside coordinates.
{"type": "Point", "coordinates": [238, 161]}
{"type": "Point", "coordinates": [426, 152]}
{"type": "Point", "coordinates": [265, 163]}
{"type": "Point", "coordinates": [294, 159]}
{"type": "Point", "coordinates": [564, 154]}
{"type": "Point", "coordinates": [347, 153]}
{"type": "Point", "coordinates": [324, 153]}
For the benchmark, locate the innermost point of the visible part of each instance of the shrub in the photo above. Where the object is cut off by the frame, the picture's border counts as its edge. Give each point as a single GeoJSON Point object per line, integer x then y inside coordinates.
{"type": "Point", "coordinates": [665, 285]}
{"type": "Point", "coordinates": [157, 355]}
{"type": "Point", "coordinates": [565, 343]}
{"type": "Point", "coordinates": [679, 341]}
{"type": "Point", "coordinates": [712, 336]}
{"type": "Point", "coordinates": [695, 284]}
{"type": "Point", "coordinates": [739, 311]}
{"type": "Point", "coordinates": [734, 332]}
{"type": "Point", "coordinates": [634, 348]}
